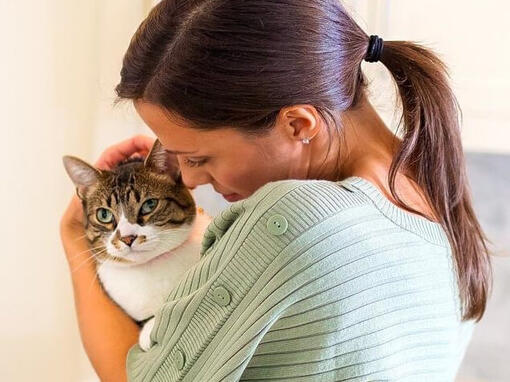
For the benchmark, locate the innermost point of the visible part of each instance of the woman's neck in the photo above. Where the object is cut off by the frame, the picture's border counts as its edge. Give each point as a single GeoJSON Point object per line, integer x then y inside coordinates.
{"type": "Point", "coordinates": [365, 146]}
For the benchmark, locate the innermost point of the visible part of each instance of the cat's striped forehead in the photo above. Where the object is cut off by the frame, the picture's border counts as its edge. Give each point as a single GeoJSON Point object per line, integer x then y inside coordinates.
{"type": "Point", "coordinates": [131, 184]}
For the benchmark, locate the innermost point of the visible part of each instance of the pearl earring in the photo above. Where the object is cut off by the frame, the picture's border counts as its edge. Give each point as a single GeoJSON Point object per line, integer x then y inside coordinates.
{"type": "Point", "coordinates": [306, 140]}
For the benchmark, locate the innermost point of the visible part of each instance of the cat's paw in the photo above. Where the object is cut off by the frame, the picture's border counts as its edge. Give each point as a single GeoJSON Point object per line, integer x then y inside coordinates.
{"type": "Point", "coordinates": [144, 340]}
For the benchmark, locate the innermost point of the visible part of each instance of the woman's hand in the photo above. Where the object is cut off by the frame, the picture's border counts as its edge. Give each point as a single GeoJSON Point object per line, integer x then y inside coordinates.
{"type": "Point", "coordinates": [71, 223]}
{"type": "Point", "coordinates": [139, 145]}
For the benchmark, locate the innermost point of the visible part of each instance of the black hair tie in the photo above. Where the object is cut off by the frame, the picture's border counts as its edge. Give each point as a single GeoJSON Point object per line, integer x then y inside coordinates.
{"type": "Point", "coordinates": [375, 47]}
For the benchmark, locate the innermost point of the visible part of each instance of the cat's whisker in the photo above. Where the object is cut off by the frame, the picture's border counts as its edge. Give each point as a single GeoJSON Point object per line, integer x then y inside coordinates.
{"type": "Point", "coordinates": [90, 249]}
{"type": "Point", "coordinates": [79, 237]}
{"type": "Point", "coordinates": [102, 251]}
{"type": "Point", "coordinates": [170, 238]}
{"type": "Point", "coordinates": [175, 230]}
{"type": "Point", "coordinates": [86, 261]}
{"type": "Point", "coordinates": [95, 277]}
{"type": "Point", "coordinates": [156, 236]}
{"type": "Point", "coordinates": [181, 228]}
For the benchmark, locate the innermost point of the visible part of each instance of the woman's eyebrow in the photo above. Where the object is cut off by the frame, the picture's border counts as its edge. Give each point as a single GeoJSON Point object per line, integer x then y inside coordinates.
{"type": "Point", "coordinates": [180, 152]}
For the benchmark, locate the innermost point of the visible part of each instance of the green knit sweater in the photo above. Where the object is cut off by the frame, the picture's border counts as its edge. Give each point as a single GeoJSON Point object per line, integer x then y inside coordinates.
{"type": "Point", "coordinates": [312, 280]}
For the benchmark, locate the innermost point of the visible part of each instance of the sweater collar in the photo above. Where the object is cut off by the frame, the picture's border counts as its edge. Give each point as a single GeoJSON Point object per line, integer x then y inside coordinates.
{"type": "Point", "coordinates": [433, 231]}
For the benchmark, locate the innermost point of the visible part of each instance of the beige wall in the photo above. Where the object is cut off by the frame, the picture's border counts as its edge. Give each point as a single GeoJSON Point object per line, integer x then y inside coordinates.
{"type": "Point", "coordinates": [60, 61]}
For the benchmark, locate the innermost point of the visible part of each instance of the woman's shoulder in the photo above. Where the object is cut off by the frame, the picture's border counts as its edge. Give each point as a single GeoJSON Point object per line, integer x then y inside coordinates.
{"type": "Point", "coordinates": [311, 201]}
{"type": "Point", "coordinates": [316, 197]}
{"type": "Point", "coordinates": [307, 192]}
{"type": "Point", "coordinates": [292, 207]}
{"type": "Point", "coordinates": [283, 208]}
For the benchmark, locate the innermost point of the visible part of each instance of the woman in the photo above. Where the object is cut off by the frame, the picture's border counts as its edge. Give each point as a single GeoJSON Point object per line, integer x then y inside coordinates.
{"type": "Point", "coordinates": [348, 256]}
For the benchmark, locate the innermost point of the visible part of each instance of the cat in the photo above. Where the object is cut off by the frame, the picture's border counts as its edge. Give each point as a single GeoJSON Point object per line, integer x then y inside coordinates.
{"type": "Point", "coordinates": [144, 229]}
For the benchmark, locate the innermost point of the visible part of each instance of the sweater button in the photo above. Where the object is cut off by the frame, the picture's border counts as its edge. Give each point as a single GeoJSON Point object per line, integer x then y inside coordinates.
{"type": "Point", "coordinates": [277, 224]}
{"type": "Point", "coordinates": [221, 296]}
{"type": "Point", "coordinates": [179, 359]}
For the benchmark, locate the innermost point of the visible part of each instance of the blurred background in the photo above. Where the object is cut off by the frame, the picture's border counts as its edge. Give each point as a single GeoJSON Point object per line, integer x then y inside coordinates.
{"type": "Point", "coordinates": [60, 63]}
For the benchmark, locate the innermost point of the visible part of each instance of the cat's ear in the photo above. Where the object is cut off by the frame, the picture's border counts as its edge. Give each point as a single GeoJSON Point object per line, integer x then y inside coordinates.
{"type": "Point", "coordinates": [162, 161]}
{"type": "Point", "coordinates": [81, 173]}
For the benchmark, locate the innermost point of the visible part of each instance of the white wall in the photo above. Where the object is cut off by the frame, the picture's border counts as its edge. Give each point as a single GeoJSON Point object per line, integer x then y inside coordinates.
{"type": "Point", "coordinates": [60, 62]}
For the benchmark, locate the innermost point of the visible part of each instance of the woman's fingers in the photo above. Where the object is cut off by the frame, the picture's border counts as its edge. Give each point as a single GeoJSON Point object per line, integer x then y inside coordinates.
{"type": "Point", "coordinates": [138, 144]}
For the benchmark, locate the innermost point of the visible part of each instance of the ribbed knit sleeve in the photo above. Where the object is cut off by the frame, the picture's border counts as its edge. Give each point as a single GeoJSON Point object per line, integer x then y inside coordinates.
{"type": "Point", "coordinates": [311, 280]}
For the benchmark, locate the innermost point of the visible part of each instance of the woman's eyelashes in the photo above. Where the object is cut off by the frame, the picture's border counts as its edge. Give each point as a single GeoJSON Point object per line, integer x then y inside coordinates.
{"type": "Point", "coordinates": [191, 163]}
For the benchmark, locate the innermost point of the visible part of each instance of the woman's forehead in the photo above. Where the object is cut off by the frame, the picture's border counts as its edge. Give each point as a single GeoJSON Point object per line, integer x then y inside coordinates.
{"type": "Point", "coordinates": [178, 137]}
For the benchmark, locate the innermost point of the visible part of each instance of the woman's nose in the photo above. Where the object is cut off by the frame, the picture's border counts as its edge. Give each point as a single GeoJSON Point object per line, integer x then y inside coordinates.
{"type": "Point", "coordinates": [194, 178]}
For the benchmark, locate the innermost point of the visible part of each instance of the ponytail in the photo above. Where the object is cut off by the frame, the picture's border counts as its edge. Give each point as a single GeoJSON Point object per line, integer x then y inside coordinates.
{"type": "Point", "coordinates": [431, 154]}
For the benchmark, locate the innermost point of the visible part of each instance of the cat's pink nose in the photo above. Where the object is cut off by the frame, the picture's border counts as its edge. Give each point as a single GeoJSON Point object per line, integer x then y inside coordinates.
{"type": "Point", "coordinates": [128, 239]}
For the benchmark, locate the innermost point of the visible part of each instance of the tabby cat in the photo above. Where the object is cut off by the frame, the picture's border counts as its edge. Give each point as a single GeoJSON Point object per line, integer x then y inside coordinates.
{"type": "Point", "coordinates": [144, 229]}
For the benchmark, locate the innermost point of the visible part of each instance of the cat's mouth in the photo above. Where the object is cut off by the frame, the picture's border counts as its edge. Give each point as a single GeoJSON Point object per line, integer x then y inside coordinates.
{"type": "Point", "coordinates": [133, 254]}
{"type": "Point", "coordinates": [144, 257]}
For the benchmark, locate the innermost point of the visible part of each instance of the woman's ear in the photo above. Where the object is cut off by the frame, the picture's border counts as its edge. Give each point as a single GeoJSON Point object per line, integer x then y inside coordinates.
{"type": "Point", "coordinates": [161, 161]}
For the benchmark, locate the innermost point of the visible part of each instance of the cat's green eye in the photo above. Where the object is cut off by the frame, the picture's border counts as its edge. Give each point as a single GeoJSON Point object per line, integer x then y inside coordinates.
{"type": "Point", "coordinates": [148, 206]}
{"type": "Point", "coordinates": [104, 215]}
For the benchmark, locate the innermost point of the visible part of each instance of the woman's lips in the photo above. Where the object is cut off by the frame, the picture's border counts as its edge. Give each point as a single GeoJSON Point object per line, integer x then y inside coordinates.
{"type": "Point", "coordinates": [232, 197]}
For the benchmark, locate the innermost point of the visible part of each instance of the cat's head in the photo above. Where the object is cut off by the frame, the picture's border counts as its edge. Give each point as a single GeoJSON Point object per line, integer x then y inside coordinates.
{"type": "Point", "coordinates": [135, 211]}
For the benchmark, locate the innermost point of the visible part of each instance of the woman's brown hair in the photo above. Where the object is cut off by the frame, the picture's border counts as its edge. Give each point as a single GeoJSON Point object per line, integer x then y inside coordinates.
{"type": "Point", "coordinates": [237, 63]}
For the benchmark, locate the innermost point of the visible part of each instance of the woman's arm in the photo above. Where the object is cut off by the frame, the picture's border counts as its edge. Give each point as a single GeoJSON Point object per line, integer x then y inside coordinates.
{"type": "Point", "coordinates": [107, 332]}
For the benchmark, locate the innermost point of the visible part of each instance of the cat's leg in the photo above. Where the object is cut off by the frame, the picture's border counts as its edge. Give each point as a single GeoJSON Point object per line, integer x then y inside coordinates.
{"type": "Point", "coordinates": [144, 339]}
